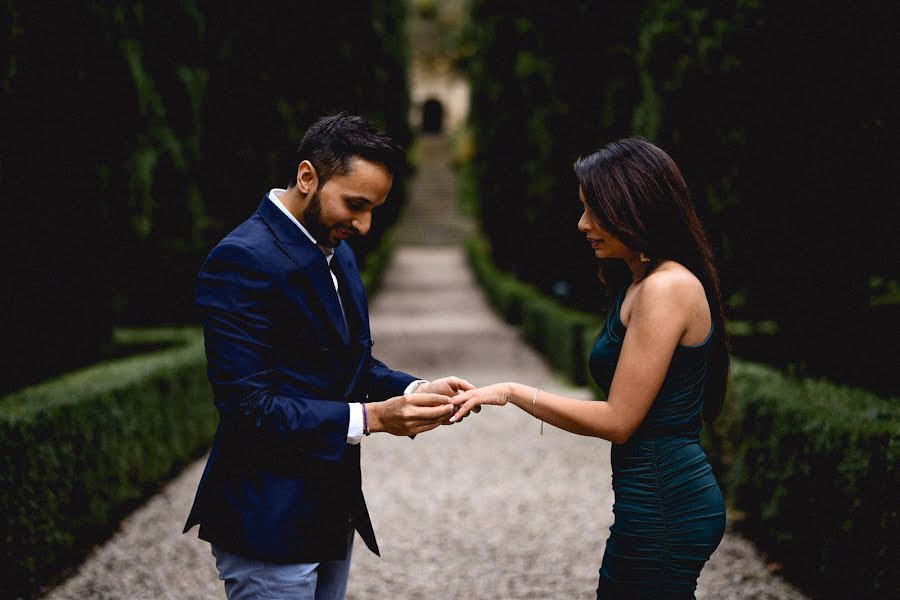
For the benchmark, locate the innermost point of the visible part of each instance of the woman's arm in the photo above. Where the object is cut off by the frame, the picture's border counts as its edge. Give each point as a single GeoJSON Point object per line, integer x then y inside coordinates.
{"type": "Point", "coordinates": [658, 320]}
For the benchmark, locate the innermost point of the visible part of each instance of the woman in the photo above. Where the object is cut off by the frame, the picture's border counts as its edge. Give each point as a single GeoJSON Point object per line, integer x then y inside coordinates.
{"type": "Point", "coordinates": [662, 359]}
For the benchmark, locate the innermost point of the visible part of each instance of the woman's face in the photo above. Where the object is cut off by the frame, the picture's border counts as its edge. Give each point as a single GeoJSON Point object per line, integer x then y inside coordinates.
{"type": "Point", "coordinates": [602, 242]}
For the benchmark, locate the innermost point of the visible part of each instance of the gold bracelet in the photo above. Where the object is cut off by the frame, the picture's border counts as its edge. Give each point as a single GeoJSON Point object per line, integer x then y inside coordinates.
{"type": "Point", "coordinates": [533, 400]}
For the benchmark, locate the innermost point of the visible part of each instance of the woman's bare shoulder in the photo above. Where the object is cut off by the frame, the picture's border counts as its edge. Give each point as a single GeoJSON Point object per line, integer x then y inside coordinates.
{"type": "Point", "coordinates": [670, 284]}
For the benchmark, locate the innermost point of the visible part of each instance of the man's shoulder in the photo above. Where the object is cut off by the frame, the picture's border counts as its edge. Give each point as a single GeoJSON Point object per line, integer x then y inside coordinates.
{"type": "Point", "coordinates": [249, 232]}
{"type": "Point", "coordinates": [252, 234]}
{"type": "Point", "coordinates": [247, 241]}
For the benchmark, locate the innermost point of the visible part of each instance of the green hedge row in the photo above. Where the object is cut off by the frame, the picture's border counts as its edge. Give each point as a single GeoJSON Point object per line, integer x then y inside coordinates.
{"type": "Point", "coordinates": [814, 467]}
{"type": "Point", "coordinates": [811, 465]}
{"type": "Point", "coordinates": [78, 450]}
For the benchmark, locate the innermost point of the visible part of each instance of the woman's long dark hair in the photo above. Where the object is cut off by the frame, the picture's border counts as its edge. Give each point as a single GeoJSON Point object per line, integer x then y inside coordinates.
{"type": "Point", "coordinates": [637, 193]}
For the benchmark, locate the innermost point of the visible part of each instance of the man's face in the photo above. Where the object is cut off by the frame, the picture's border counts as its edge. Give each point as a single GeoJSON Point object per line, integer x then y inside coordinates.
{"type": "Point", "coordinates": [342, 207]}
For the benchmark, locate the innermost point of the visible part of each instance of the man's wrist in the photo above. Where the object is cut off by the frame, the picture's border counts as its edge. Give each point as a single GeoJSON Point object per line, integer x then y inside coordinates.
{"type": "Point", "coordinates": [374, 415]}
{"type": "Point", "coordinates": [365, 413]}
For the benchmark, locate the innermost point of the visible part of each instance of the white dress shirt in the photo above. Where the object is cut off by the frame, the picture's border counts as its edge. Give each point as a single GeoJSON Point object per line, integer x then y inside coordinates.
{"type": "Point", "coordinates": [355, 429]}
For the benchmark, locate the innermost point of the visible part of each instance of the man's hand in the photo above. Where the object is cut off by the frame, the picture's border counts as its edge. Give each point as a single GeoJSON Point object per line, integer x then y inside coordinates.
{"type": "Point", "coordinates": [446, 386]}
{"type": "Point", "coordinates": [409, 414]}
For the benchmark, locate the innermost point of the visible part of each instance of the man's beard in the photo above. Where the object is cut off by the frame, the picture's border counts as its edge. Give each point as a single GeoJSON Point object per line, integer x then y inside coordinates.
{"type": "Point", "coordinates": [312, 220]}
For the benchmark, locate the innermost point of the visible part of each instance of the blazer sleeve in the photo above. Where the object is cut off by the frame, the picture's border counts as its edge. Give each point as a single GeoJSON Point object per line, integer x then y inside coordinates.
{"type": "Point", "coordinates": [384, 382]}
{"type": "Point", "coordinates": [232, 291]}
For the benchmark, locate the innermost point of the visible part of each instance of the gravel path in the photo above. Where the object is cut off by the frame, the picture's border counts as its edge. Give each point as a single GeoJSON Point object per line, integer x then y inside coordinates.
{"type": "Point", "coordinates": [486, 509]}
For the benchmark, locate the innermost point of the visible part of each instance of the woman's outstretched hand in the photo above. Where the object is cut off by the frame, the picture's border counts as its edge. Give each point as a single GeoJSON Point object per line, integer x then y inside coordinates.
{"type": "Point", "coordinates": [497, 394]}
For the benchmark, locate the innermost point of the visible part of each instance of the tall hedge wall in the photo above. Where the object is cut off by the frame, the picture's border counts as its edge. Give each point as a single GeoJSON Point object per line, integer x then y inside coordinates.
{"type": "Point", "coordinates": [547, 84]}
{"type": "Point", "coordinates": [780, 118]}
{"type": "Point", "coordinates": [136, 134]}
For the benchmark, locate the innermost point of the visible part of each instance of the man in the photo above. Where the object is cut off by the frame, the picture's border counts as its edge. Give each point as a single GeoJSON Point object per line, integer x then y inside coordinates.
{"type": "Point", "coordinates": [289, 349]}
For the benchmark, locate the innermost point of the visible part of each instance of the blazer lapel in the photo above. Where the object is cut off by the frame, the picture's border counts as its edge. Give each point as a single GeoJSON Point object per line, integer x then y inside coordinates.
{"type": "Point", "coordinates": [355, 290]}
{"type": "Point", "coordinates": [356, 304]}
{"type": "Point", "coordinates": [311, 261]}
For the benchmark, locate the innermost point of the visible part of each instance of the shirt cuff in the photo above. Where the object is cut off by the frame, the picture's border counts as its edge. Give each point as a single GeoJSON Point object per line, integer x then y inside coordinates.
{"type": "Point", "coordinates": [355, 429]}
{"type": "Point", "coordinates": [413, 386]}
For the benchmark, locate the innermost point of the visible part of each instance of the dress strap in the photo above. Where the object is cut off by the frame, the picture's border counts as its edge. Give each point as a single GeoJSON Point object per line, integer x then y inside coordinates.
{"type": "Point", "coordinates": [614, 321]}
{"type": "Point", "coordinates": [619, 299]}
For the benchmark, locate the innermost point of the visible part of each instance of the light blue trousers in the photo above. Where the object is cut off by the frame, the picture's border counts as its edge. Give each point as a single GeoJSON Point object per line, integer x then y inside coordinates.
{"type": "Point", "coordinates": [249, 579]}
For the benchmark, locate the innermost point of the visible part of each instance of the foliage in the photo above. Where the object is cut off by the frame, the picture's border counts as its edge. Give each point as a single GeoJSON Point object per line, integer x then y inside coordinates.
{"type": "Point", "coordinates": [815, 472]}
{"type": "Point", "coordinates": [135, 140]}
{"type": "Point", "coordinates": [276, 73]}
{"type": "Point", "coordinates": [776, 112]}
{"type": "Point", "coordinates": [80, 449]}
{"type": "Point", "coordinates": [537, 91]}
{"type": "Point", "coordinates": [779, 117]}
{"type": "Point", "coordinates": [52, 165]}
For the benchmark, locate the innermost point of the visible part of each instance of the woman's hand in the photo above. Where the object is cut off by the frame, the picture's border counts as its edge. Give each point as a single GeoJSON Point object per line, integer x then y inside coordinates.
{"type": "Point", "coordinates": [497, 394]}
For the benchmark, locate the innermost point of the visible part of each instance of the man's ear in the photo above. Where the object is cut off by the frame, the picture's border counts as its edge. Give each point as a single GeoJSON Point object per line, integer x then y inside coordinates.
{"type": "Point", "coordinates": [307, 179]}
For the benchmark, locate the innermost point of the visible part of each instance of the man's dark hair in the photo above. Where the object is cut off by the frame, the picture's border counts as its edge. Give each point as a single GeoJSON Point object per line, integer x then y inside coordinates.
{"type": "Point", "coordinates": [331, 142]}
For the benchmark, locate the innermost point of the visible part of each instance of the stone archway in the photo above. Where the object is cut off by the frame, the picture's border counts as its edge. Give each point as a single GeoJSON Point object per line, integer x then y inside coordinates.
{"type": "Point", "coordinates": [447, 91]}
{"type": "Point", "coordinates": [432, 116]}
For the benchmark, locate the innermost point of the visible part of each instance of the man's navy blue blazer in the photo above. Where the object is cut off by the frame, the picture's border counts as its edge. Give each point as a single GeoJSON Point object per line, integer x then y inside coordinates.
{"type": "Point", "coordinates": [281, 483]}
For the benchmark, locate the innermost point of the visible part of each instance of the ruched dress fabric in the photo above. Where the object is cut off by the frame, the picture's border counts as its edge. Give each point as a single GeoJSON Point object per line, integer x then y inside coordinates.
{"type": "Point", "coordinates": [669, 511]}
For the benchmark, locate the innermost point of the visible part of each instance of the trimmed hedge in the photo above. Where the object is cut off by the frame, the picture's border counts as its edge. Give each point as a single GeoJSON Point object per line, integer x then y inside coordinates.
{"type": "Point", "coordinates": [815, 470]}
{"type": "Point", "coordinates": [811, 465]}
{"type": "Point", "coordinates": [78, 450]}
